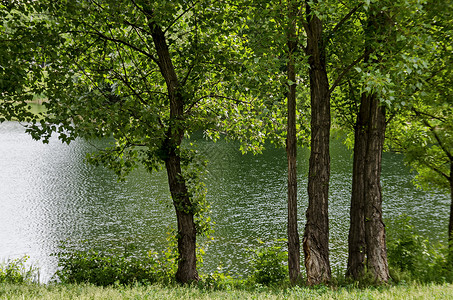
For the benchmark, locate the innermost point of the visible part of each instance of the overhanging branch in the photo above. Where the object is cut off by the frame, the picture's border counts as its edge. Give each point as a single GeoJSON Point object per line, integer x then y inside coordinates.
{"type": "Point", "coordinates": [345, 71]}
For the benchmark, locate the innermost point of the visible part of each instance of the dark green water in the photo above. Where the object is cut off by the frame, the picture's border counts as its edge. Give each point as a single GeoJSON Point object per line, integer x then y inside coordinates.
{"type": "Point", "coordinates": [48, 194]}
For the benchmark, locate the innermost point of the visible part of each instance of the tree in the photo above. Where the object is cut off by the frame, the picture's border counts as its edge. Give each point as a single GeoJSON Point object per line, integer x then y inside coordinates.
{"type": "Point", "coordinates": [424, 131]}
{"type": "Point", "coordinates": [146, 73]}
{"type": "Point", "coordinates": [427, 146]}
{"type": "Point", "coordinates": [291, 147]}
{"type": "Point", "coordinates": [366, 203]}
{"type": "Point", "coordinates": [20, 73]}
{"type": "Point", "coordinates": [386, 59]}
{"type": "Point", "coordinates": [316, 234]}
{"type": "Point", "coordinates": [273, 35]}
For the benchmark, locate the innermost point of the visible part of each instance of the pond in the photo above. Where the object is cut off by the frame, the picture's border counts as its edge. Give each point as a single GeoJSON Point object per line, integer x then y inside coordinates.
{"type": "Point", "coordinates": [49, 194]}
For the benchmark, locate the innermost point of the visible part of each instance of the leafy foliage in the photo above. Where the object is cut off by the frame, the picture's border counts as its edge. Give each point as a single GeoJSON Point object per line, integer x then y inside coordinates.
{"type": "Point", "coordinates": [424, 131]}
{"type": "Point", "coordinates": [21, 70]}
{"type": "Point", "coordinates": [268, 264]}
{"type": "Point", "coordinates": [113, 266]}
{"type": "Point", "coordinates": [15, 271]}
{"type": "Point", "coordinates": [409, 253]}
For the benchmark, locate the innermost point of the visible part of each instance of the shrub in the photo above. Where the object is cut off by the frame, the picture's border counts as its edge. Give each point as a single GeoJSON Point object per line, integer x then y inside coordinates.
{"type": "Point", "coordinates": [108, 267]}
{"type": "Point", "coordinates": [268, 264]}
{"type": "Point", "coordinates": [413, 257]}
{"type": "Point", "coordinates": [15, 271]}
{"type": "Point", "coordinates": [405, 248]}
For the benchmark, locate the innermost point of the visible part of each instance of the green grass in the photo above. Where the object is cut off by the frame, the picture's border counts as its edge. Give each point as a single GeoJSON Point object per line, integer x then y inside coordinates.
{"type": "Point", "coordinates": [82, 291]}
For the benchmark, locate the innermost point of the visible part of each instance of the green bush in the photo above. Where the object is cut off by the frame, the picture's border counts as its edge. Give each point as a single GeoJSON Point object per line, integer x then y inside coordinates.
{"type": "Point", "coordinates": [405, 248]}
{"type": "Point", "coordinates": [109, 267]}
{"type": "Point", "coordinates": [15, 271]}
{"type": "Point", "coordinates": [218, 280]}
{"type": "Point", "coordinates": [411, 257]}
{"type": "Point", "coordinates": [268, 264]}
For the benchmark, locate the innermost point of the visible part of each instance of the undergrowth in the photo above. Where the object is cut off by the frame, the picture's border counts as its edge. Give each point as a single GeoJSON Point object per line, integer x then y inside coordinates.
{"type": "Point", "coordinates": [16, 271]}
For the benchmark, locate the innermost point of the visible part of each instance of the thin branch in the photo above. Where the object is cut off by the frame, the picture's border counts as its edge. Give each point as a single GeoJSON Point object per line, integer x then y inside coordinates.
{"type": "Point", "coordinates": [115, 40]}
{"type": "Point", "coordinates": [224, 97]}
{"type": "Point", "coordinates": [213, 96]}
{"type": "Point", "coordinates": [439, 141]}
{"type": "Point", "coordinates": [140, 8]}
{"type": "Point", "coordinates": [129, 86]}
{"type": "Point", "coordinates": [417, 112]}
{"type": "Point", "coordinates": [136, 27]}
{"type": "Point", "coordinates": [119, 54]}
{"type": "Point", "coordinates": [435, 169]}
{"type": "Point", "coordinates": [191, 67]}
{"type": "Point", "coordinates": [180, 16]}
{"type": "Point", "coordinates": [141, 37]}
{"type": "Point", "coordinates": [345, 71]}
{"type": "Point", "coordinates": [345, 18]}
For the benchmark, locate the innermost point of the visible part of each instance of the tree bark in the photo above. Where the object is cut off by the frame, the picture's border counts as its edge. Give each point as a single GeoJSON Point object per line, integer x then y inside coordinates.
{"type": "Point", "coordinates": [367, 230]}
{"type": "Point", "coordinates": [187, 261]}
{"type": "Point", "coordinates": [450, 224]}
{"type": "Point", "coordinates": [316, 234]}
{"type": "Point", "coordinates": [291, 151]}
{"type": "Point", "coordinates": [356, 239]}
{"type": "Point", "coordinates": [376, 248]}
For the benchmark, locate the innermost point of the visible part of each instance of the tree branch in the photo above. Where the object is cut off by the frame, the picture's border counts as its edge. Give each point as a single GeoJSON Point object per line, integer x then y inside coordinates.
{"type": "Point", "coordinates": [115, 40]}
{"type": "Point", "coordinates": [345, 18]}
{"type": "Point", "coordinates": [439, 141]}
{"type": "Point", "coordinates": [180, 16]}
{"type": "Point", "coordinates": [214, 96]}
{"type": "Point", "coordinates": [345, 71]}
{"type": "Point", "coordinates": [435, 169]}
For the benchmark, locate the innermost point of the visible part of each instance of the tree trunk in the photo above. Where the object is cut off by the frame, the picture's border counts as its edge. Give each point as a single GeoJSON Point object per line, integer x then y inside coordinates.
{"type": "Point", "coordinates": [374, 226]}
{"type": "Point", "coordinates": [291, 151]}
{"type": "Point", "coordinates": [356, 239]}
{"type": "Point", "coordinates": [187, 262]}
{"type": "Point", "coordinates": [367, 230]}
{"type": "Point", "coordinates": [316, 235]}
{"type": "Point", "coordinates": [450, 224]}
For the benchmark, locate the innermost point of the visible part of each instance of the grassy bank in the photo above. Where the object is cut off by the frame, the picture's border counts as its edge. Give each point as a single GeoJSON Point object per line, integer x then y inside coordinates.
{"type": "Point", "coordinates": [81, 291]}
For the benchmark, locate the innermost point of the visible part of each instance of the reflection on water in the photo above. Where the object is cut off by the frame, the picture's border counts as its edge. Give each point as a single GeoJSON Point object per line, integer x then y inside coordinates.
{"type": "Point", "coordinates": [48, 194]}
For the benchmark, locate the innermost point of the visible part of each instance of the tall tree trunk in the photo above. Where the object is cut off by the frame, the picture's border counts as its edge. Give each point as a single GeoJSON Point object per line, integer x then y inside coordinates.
{"type": "Point", "coordinates": [376, 249]}
{"type": "Point", "coordinates": [367, 230]}
{"type": "Point", "coordinates": [316, 235]}
{"type": "Point", "coordinates": [450, 224]}
{"type": "Point", "coordinates": [356, 239]}
{"type": "Point", "coordinates": [291, 151]}
{"type": "Point", "coordinates": [187, 262]}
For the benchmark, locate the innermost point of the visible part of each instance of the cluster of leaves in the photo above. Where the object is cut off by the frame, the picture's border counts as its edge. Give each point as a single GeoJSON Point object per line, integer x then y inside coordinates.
{"type": "Point", "coordinates": [20, 72]}
{"type": "Point", "coordinates": [412, 257]}
{"type": "Point", "coordinates": [112, 266]}
{"type": "Point", "coordinates": [424, 130]}
{"type": "Point", "coordinates": [16, 271]}
{"type": "Point", "coordinates": [269, 263]}
{"type": "Point", "coordinates": [194, 169]}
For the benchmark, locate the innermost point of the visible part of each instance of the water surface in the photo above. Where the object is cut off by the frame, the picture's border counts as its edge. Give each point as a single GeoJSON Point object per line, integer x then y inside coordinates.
{"type": "Point", "coordinates": [49, 194]}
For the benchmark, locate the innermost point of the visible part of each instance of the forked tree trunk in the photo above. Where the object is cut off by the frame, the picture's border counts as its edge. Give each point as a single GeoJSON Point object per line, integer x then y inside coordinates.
{"type": "Point", "coordinates": [187, 261]}
{"type": "Point", "coordinates": [291, 151]}
{"type": "Point", "coordinates": [316, 234]}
